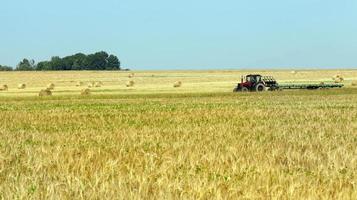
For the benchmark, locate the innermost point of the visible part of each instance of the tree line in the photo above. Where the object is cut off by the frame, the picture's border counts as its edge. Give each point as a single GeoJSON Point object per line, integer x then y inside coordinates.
{"type": "Point", "coordinates": [97, 61]}
{"type": "Point", "coordinates": [5, 68]}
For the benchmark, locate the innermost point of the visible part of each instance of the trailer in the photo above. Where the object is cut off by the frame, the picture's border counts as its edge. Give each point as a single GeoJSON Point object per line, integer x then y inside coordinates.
{"type": "Point", "coordinates": [310, 86]}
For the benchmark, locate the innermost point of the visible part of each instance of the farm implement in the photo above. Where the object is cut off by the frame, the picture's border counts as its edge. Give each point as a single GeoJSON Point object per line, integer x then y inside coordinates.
{"type": "Point", "coordinates": [259, 83]}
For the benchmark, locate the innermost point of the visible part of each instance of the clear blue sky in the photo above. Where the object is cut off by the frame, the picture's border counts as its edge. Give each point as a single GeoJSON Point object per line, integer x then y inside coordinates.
{"type": "Point", "coordinates": [163, 34]}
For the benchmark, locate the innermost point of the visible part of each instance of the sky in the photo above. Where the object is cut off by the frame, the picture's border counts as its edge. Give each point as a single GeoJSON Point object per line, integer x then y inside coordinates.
{"type": "Point", "coordinates": [184, 34]}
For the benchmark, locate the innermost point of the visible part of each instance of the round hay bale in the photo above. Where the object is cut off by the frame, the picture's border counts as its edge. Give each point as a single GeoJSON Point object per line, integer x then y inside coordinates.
{"type": "Point", "coordinates": [79, 83]}
{"type": "Point", "coordinates": [354, 83]}
{"type": "Point", "coordinates": [293, 72]}
{"type": "Point", "coordinates": [91, 84]}
{"type": "Point", "coordinates": [177, 84]}
{"type": "Point", "coordinates": [131, 75]}
{"type": "Point", "coordinates": [45, 92]}
{"type": "Point", "coordinates": [130, 83]}
{"type": "Point", "coordinates": [98, 84]}
{"type": "Point", "coordinates": [4, 87]}
{"type": "Point", "coordinates": [85, 92]}
{"type": "Point", "coordinates": [21, 86]}
{"type": "Point", "coordinates": [339, 80]}
{"type": "Point", "coordinates": [51, 86]}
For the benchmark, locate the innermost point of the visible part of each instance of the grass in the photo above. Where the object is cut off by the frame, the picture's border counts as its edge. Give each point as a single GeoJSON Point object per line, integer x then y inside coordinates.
{"type": "Point", "coordinates": [185, 143]}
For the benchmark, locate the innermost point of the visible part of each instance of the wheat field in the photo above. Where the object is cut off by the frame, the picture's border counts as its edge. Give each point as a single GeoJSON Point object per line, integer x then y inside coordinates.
{"type": "Point", "coordinates": [197, 141]}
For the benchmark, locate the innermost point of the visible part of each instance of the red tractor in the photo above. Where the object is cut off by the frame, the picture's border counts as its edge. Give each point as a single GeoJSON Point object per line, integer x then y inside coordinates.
{"type": "Point", "coordinates": [256, 82]}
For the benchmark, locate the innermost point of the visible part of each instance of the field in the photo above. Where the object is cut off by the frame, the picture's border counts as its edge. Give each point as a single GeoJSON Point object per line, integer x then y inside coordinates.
{"type": "Point", "coordinates": [198, 141]}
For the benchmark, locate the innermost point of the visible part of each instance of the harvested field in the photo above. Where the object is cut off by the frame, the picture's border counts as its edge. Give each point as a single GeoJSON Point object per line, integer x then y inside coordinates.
{"type": "Point", "coordinates": [199, 142]}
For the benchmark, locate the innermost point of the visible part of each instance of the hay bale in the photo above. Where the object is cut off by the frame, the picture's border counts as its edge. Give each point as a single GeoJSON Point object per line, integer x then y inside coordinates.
{"type": "Point", "coordinates": [131, 75]}
{"type": "Point", "coordinates": [98, 84]}
{"type": "Point", "coordinates": [85, 92]}
{"type": "Point", "coordinates": [91, 84]}
{"type": "Point", "coordinates": [354, 83]}
{"type": "Point", "coordinates": [45, 92]}
{"type": "Point", "coordinates": [79, 83]}
{"type": "Point", "coordinates": [51, 86]}
{"type": "Point", "coordinates": [4, 88]}
{"type": "Point", "coordinates": [21, 86]}
{"type": "Point", "coordinates": [177, 84]}
{"type": "Point", "coordinates": [130, 83]}
{"type": "Point", "coordinates": [338, 78]}
{"type": "Point", "coordinates": [294, 72]}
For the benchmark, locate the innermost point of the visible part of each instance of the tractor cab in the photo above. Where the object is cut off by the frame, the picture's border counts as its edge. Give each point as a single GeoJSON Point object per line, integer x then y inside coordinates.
{"type": "Point", "coordinates": [252, 78]}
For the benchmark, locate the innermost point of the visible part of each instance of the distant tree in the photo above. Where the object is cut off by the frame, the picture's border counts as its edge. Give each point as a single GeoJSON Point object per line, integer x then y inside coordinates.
{"type": "Point", "coordinates": [79, 61]}
{"type": "Point", "coordinates": [113, 63]}
{"type": "Point", "coordinates": [57, 63]}
{"type": "Point", "coordinates": [97, 61]}
{"type": "Point", "coordinates": [68, 62]}
{"type": "Point", "coordinates": [43, 66]}
{"type": "Point", "coordinates": [5, 68]}
{"type": "Point", "coordinates": [76, 65]}
{"type": "Point", "coordinates": [26, 65]}
{"type": "Point", "coordinates": [89, 62]}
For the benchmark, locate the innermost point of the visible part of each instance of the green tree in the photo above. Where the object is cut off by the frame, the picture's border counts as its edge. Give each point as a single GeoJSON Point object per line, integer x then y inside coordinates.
{"type": "Point", "coordinates": [89, 63]}
{"type": "Point", "coordinates": [79, 61]}
{"type": "Point", "coordinates": [57, 63]}
{"type": "Point", "coordinates": [43, 66]}
{"type": "Point", "coordinates": [5, 68]}
{"type": "Point", "coordinates": [113, 63]}
{"type": "Point", "coordinates": [97, 61]}
{"type": "Point", "coordinates": [26, 65]}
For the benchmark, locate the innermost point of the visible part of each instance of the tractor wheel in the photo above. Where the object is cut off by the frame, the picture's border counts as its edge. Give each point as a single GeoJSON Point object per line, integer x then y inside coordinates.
{"type": "Point", "coordinates": [235, 89]}
{"type": "Point", "coordinates": [244, 89]}
{"type": "Point", "coordinates": [260, 87]}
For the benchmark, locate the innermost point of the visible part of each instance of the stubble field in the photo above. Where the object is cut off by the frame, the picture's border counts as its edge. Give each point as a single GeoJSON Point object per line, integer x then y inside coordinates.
{"type": "Point", "coordinates": [197, 141]}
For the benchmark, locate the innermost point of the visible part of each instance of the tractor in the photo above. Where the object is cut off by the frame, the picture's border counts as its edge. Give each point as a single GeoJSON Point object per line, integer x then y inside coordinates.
{"type": "Point", "coordinates": [256, 82]}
